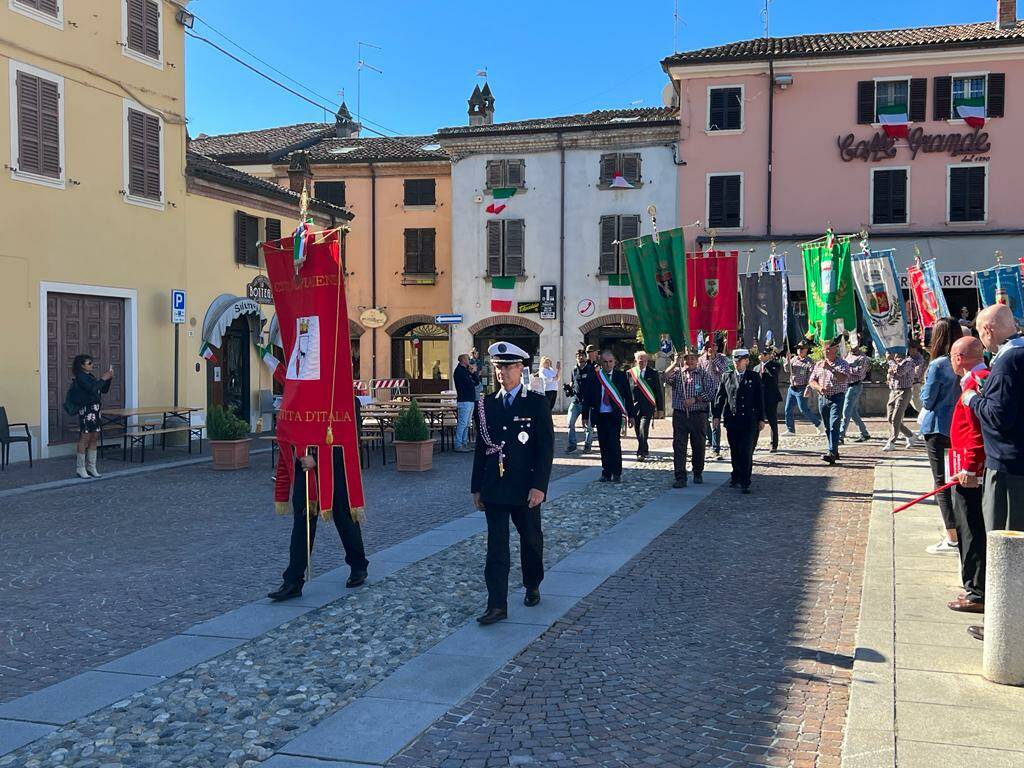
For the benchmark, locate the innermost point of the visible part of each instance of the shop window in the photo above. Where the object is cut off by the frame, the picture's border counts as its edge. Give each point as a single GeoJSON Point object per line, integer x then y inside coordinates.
{"type": "Point", "coordinates": [420, 353]}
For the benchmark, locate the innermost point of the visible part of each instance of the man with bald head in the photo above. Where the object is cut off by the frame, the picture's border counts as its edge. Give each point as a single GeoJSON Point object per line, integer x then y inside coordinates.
{"type": "Point", "coordinates": [966, 465]}
{"type": "Point", "coordinates": [1000, 409]}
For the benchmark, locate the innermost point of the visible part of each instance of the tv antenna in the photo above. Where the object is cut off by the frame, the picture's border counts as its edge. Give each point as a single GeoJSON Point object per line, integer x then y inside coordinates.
{"type": "Point", "coordinates": [764, 16]}
{"type": "Point", "coordinates": [675, 27]}
{"type": "Point", "coordinates": [360, 66]}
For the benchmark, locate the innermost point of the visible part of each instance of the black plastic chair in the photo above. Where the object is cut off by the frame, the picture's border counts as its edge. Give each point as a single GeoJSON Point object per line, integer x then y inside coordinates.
{"type": "Point", "coordinates": [6, 438]}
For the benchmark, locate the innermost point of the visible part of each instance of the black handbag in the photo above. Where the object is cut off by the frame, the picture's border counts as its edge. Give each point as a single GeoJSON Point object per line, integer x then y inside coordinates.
{"type": "Point", "coordinates": [70, 405]}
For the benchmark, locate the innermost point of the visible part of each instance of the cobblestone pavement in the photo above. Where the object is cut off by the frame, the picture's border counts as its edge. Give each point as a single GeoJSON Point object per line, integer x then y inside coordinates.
{"type": "Point", "coordinates": [236, 709]}
{"type": "Point", "coordinates": [727, 642]}
{"type": "Point", "coordinates": [92, 572]}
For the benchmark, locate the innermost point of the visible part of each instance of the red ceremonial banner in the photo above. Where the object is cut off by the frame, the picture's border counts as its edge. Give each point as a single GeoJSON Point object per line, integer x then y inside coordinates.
{"type": "Point", "coordinates": [318, 407]}
{"type": "Point", "coordinates": [924, 298]}
{"type": "Point", "coordinates": [712, 293]}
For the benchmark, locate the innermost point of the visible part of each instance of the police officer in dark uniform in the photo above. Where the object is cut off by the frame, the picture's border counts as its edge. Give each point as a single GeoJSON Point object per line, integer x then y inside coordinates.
{"type": "Point", "coordinates": [511, 469]}
{"type": "Point", "coordinates": [740, 405]}
{"type": "Point", "coordinates": [770, 368]}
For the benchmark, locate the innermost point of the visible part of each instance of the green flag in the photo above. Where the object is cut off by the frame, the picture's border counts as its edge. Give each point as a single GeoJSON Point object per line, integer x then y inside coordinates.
{"type": "Point", "coordinates": [657, 272]}
{"type": "Point", "coordinates": [828, 271]}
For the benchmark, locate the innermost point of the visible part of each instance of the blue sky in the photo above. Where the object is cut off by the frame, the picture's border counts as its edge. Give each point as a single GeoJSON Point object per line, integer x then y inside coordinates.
{"type": "Point", "coordinates": [543, 58]}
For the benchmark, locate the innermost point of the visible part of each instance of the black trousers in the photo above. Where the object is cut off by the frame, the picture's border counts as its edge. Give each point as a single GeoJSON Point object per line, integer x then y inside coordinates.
{"type": "Point", "coordinates": [688, 429]}
{"type": "Point", "coordinates": [499, 561]}
{"type": "Point", "coordinates": [937, 445]}
{"type": "Point", "coordinates": [349, 531]}
{"type": "Point", "coordinates": [552, 396]}
{"type": "Point", "coordinates": [970, 532]}
{"type": "Point", "coordinates": [609, 427]}
{"type": "Point", "coordinates": [642, 427]}
{"type": "Point", "coordinates": [771, 415]}
{"type": "Point", "coordinates": [741, 452]}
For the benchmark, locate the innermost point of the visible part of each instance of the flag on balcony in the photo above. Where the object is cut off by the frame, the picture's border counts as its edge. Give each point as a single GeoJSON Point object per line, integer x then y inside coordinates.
{"type": "Point", "coordinates": [971, 111]}
{"type": "Point", "coordinates": [503, 193]}
{"type": "Point", "coordinates": [894, 120]}
{"type": "Point", "coordinates": [503, 291]}
{"type": "Point", "coordinates": [620, 293]}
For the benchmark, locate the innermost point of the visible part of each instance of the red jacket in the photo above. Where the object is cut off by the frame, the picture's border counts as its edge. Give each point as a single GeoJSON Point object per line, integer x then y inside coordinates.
{"type": "Point", "coordinates": [967, 450]}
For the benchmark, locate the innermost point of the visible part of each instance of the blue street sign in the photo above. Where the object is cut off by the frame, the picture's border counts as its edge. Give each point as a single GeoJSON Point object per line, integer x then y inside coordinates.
{"type": "Point", "coordinates": [451, 319]}
{"type": "Point", "coordinates": [177, 307]}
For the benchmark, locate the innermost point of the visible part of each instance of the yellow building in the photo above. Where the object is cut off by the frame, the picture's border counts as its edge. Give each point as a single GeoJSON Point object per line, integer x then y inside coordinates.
{"type": "Point", "coordinates": [398, 255]}
{"type": "Point", "coordinates": [104, 212]}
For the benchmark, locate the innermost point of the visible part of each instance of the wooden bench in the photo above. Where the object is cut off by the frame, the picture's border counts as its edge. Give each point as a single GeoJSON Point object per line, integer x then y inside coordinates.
{"type": "Point", "coordinates": [137, 439]}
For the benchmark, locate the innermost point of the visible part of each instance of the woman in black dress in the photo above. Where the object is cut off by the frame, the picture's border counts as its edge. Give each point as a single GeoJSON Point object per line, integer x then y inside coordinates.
{"type": "Point", "coordinates": [85, 393]}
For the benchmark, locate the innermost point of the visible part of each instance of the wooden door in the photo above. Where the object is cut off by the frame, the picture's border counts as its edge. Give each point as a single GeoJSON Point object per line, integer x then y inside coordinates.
{"type": "Point", "coordinates": [76, 324]}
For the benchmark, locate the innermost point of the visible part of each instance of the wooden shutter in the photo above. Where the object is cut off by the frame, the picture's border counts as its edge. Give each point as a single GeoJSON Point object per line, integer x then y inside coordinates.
{"type": "Point", "coordinates": [494, 174]}
{"type": "Point", "coordinates": [515, 263]}
{"type": "Point", "coordinates": [631, 167]}
{"type": "Point", "coordinates": [49, 127]}
{"type": "Point", "coordinates": [137, 25]}
{"type": "Point", "coordinates": [890, 197]}
{"type": "Point", "coordinates": [608, 165]}
{"type": "Point", "coordinates": [246, 235]}
{"type": "Point", "coordinates": [995, 102]}
{"type": "Point", "coordinates": [427, 260]}
{"type": "Point", "coordinates": [942, 95]}
{"type": "Point", "coordinates": [151, 24]}
{"type": "Point", "coordinates": [30, 140]}
{"type": "Point", "coordinates": [136, 153]}
{"type": "Point", "coordinates": [272, 229]}
{"type": "Point", "coordinates": [48, 7]}
{"type": "Point", "coordinates": [716, 110]}
{"type": "Point", "coordinates": [608, 227]}
{"type": "Point", "coordinates": [917, 108]}
{"type": "Point", "coordinates": [976, 193]}
{"type": "Point", "coordinates": [629, 227]}
{"type": "Point", "coordinates": [733, 105]}
{"type": "Point", "coordinates": [412, 251]}
{"type": "Point", "coordinates": [732, 201]}
{"type": "Point", "coordinates": [515, 173]}
{"type": "Point", "coordinates": [865, 102]}
{"type": "Point", "coordinates": [151, 140]}
{"type": "Point", "coordinates": [716, 201]}
{"type": "Point", "coordinates": [494, 247]}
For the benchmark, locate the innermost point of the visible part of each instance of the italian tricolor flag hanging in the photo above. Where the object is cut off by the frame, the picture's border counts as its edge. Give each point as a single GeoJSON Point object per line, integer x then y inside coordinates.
{"type": "Point", "coordinates": [971, 111]}
{"type": "Point", "coordinates": [207, 351]}
{"type": "Point", "coordinates": [620, 293]}
{"type": "Point", "coordinates": [894, 120]}
{"type": "Point", "coordinates": [503, 290]}
{"type": "Point", "coordinates": [270, 359]}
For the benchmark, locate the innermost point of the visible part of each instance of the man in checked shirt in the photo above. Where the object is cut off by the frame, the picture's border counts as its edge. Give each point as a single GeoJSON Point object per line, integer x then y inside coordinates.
{"type": "Point", "coordinates": [692, 392]}
{"type": "Point", "coordinates": [799, 370]}
{"type": "Point", "coordinates": [715, 364]}
{"type": "Point", "coordinates": [860, 366]}
{"type": "Point", "coordinates": [901, 375]}
{"type": "Point", "coordinates": [829, 379]}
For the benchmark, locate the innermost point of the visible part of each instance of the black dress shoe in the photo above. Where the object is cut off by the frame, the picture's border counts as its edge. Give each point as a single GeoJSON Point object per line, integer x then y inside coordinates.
{"type": "Point", "coordinates": [286, 592]}
{"type": "Point", "coordinates": [532, 598]}
{"type": "Point", "coordinates": [356, 579]}
{"type": "Point", "coordinates": [976, 631]}
{"type": "Point", "coordinates": [698, 478]}
{"type": "Point", "coordinates": [616, 479]}
{"type": "Point", "coordinates": [828, 458]}
{"type": "Point", "coordinates": [745, 489]}
{"type": "Point", "coordinates": [680, 484]}
{"type": "Point", "coordinates": [733, 483]}
{"type": "Point", "coordinates": [492, 616]}
{"type": "Point", "coordinates": [605, 479]}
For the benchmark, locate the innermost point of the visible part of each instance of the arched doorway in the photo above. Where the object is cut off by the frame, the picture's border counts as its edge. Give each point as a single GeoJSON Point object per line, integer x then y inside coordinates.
{"type": "Point", "coordinates": [231, 328]}
{"type": "Point", "coordinates": [419, 353]}
{"type": "Point", "coordinates": [615, 332]}
{"type": "Point", "coordinates": [485, 334]}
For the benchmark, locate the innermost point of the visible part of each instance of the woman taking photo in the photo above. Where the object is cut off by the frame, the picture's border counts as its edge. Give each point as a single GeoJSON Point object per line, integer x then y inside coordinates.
{"type": "Point", "coordinates": [85, 393]}
{"type": "Point", "coordinates": [938, 396]}
{"type": "Point", "coordinates": [551, 377]}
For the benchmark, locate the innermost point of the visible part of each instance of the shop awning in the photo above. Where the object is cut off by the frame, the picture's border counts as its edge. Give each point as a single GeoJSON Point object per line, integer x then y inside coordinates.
{"type": "Point", "coordinates": [223, 311]}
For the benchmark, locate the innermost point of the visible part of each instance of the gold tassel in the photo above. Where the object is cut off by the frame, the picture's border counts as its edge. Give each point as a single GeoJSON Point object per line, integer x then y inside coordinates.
{"type": "Point", "coordinates": [326, 514]}
{"type": "Point", "coordinates": [282, 508]}
{"type": "Point", "coordinates": [358, 514]}
{"type": "Point", "coordinates": [330, 435]}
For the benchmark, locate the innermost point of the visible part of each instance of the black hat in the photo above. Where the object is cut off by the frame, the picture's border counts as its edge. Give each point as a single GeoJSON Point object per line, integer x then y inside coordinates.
{"type": "Point", "coordinates": [803, 344]}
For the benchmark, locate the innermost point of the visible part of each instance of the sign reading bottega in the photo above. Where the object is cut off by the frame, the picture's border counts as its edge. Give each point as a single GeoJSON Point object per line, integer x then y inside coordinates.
{"type": "Point", "coordinates": [881, 146]}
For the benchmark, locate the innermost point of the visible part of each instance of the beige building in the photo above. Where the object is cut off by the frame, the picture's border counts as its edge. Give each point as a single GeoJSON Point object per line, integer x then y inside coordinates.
{"type": "Point", "coordinates": [104, 212]}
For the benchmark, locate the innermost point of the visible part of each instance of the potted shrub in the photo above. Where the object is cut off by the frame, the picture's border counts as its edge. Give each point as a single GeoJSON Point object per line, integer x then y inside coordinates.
{"type": "Point", "coordinates": [229, 439]}
{"type": "Point", "coordinates": [414, 448]}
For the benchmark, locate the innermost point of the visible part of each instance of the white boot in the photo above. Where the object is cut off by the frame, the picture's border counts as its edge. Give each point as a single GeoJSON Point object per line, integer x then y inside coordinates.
{"type": "Point", "coordinates": [888, 446]}
{"type": "Point", "coordinates": [80, 466]}
{"type": "Point", "coordinates": [90, 462]}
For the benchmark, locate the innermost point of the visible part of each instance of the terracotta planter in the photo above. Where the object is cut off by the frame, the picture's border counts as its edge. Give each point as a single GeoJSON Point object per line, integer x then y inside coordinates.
{"type": "Point", "coordinates": [414, 456]}
{"type": "Point", "coordinates": [230, 454]}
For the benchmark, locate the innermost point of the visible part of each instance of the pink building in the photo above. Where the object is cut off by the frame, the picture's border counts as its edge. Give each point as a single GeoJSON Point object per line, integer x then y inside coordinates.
{"type": "Point", "coordinates": [783, 136]}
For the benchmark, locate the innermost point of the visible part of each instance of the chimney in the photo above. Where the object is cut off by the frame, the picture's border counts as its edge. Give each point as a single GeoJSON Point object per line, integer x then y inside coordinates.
{"type": "Point", "coordinates": [1006, 14]}
{"type": "Point", "coordinates": [476, 107]}
{"type": "Point", "coordinates": [299, 173]}
{"type": "Point", "coordinates": [344, 126]}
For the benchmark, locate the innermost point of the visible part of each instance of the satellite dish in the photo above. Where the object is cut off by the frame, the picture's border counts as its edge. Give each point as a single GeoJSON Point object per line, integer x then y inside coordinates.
{"type": "Point", "coordinates": [668, 95]}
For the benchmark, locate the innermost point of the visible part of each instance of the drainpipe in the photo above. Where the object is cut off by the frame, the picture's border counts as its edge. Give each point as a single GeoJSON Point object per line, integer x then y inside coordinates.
{"type": "Point", "coordinates": [373, 265]}
{"type": "Point", "coordinates": [561, 252]}
{"type": "Point", "coordinates": [771, 137]}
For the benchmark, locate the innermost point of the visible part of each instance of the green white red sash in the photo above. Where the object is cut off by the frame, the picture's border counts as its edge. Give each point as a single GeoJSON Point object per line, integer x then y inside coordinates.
{"type": "Point", "coordinates": [611, 391]}
{"type": "Point", "coordinates": [640, 381]}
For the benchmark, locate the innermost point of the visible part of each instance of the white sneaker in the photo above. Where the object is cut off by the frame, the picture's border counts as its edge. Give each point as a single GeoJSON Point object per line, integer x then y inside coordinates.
{"type": "Point", "coordinates": [821, 431]}
{"type": "Point", "coordinates": [909, 442]}
{"type": "Point", "coordinates": [944, 547]}
{"type": "Point", "coordinates": [888, 446]}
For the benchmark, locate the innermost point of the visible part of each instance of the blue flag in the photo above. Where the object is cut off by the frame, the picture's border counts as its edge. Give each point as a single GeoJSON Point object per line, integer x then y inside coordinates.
{"type": "Point", "coordinates": [1002, 285]}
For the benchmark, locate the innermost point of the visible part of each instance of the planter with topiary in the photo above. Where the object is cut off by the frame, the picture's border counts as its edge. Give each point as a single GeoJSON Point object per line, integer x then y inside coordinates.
{"type": "Point", "coordinates": [414, 448]}
{"type": "Point", "coordinates": [229, 438]}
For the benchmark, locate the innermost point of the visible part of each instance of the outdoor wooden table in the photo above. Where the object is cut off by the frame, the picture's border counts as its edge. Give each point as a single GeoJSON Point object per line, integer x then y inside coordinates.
{"type": "Point", "coordinates": [121, 417]}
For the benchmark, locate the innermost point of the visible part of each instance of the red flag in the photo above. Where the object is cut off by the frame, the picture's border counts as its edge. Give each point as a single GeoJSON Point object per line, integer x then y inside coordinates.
{"type": "Point", "coordinates": [318, 408]}
{"type": "Point", "coordinates": [712, 293]}
{"type": "Point", "coordinates": [923, 296]}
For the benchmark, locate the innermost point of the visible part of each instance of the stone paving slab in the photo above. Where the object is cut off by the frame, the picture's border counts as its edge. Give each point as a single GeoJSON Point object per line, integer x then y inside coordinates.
{"type": "Point", "coordinates": [291, 761]}
{"type": "Point", "coordinates": [77, 696]}
{"type": "Point", "coordinates": [16, 733]}
{"type": "Point", "coordinates": [249, 621]}
{"type": "Point", "coordinates": [500, 641]}
{"type": "Point", "coordinates": [171, 656]}
{"type": "Point", "coordinates": [436, 678]}
{"type": "Point", "coordinates": [917, 754]}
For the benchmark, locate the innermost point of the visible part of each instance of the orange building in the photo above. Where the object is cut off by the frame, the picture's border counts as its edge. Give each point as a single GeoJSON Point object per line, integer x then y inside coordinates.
{"type": "Point", "coordinates": [398, 253]}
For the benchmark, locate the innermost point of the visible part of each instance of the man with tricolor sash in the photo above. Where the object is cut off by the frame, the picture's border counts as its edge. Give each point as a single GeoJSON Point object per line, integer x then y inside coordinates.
{"type": "Point", "coordinates": [648, 400]}
{"type": "Point", "coordinates": [606, 402]}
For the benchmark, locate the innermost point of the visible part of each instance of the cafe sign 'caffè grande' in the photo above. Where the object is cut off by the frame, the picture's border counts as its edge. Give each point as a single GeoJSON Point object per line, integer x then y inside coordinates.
{"type": "Point", "coordinates": [967, 146]}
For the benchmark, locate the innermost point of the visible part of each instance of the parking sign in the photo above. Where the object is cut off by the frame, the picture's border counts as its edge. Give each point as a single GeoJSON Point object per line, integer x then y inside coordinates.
{"type": "Point", "coordinates": [177, 307]}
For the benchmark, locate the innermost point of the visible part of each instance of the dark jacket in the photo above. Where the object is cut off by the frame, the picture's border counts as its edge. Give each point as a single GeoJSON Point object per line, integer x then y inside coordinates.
{"type": "Point", "coordinates": [770, 383]}
{"type": "Point", "coordinates": [594, 391]}
{"type": "Point", "coordinates": [740, 400]}
{"type": "Point", "coordinates": [641, 405]}
{"type": "Point", "coordinates": [1000, 409]}
{"type": "Point", "coordinates": [86, 389]}
{"type": "Point", "coordinates": [527, 459]}
{"type": "Point", "coordinates": [465, 384]}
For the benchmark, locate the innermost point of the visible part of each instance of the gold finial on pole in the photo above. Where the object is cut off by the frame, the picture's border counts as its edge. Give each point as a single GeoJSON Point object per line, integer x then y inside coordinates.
{"type": "Point", "coordinates": [999, 258]}
{"type": "Point", "coordinates": [652, 211]}
{"type": "Point", "coordinates": [303, 203]}
{"type": "Point", "coordinates": [917, 255]}
{"type": "Point", "coordinates": [712, 233]}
